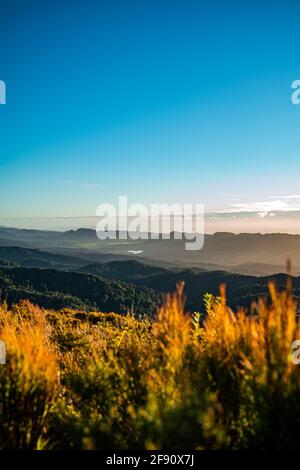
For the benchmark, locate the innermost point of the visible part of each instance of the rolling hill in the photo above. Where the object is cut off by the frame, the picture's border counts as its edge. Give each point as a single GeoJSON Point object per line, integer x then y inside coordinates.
{"type": "Point", "coordinates": [51, 288]}
{"type": "Point", "coordinates": [241, 289]}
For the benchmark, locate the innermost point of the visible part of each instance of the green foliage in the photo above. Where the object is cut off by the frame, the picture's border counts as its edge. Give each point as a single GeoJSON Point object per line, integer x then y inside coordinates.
{"type": "Point", "coordinates": [56, 289]}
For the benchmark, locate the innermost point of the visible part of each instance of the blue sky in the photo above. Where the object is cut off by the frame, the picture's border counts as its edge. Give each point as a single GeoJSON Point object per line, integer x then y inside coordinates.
{"type": "Point", "coordinates": [182, 101]}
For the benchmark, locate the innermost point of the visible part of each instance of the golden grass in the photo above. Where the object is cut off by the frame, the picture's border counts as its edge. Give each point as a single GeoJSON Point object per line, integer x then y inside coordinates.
{"type": "Point", "coordinates": [29, 379]}
{"type": "Point", "coordinates": [94, 380]}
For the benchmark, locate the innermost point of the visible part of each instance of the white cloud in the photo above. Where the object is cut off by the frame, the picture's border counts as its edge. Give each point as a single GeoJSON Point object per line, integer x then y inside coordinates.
{"type": "Point", "coordinates": [262, 214]}
{"type": "Point", "coordinates": [265, 207]}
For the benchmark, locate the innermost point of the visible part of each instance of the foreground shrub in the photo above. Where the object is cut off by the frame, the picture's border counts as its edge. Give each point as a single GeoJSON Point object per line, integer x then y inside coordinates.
{"type": "Point", "coordinates": [225, 380]}
{"type": "Point", "coordinates": [28, 380]}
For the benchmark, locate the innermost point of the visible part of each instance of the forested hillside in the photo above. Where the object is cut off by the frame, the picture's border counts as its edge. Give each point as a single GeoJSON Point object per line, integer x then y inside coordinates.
{"type": "Point", "coordinates": [59, 289]}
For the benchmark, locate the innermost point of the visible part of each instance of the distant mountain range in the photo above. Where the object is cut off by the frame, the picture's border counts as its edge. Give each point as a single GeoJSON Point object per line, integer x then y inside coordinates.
{"type": "Point", "coordinates": [119, 285]}
{"type": "Point", "coordinates": [74, 269]}
{"type": "Point", "coordinates": [253, 254]}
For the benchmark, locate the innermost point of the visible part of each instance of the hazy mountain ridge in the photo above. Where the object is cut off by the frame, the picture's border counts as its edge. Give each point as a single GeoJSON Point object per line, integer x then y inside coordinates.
{"type": "Point", "coordinates": [242, 253]}
{"type": "Point", "coordinates": [28, 256]}
{"type": "Point", "coordinates": [56, 271]}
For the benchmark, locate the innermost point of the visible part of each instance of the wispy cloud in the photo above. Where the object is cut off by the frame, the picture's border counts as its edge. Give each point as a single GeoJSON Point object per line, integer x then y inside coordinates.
{"type": "Point", "coordinates": [90, 185]}
{"type": "Point", "coordinates": [291, 196]}
{"type": "Point", "coordinates": [230, 196]}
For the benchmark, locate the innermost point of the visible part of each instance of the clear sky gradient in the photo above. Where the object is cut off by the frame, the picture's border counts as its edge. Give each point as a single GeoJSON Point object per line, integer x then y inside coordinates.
{"type": "Point", "coordinates": [162, 101]}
